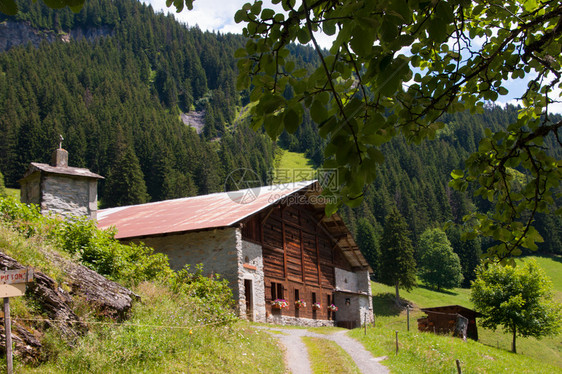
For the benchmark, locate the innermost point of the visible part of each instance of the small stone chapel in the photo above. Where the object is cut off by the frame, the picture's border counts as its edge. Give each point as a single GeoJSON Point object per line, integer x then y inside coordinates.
{"type": "Point", "coordinates": [61, 189]}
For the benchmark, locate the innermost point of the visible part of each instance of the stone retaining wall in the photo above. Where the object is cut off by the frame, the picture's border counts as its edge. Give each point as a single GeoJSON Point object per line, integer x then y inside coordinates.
{"type": "Point", "coordinates": [294, 321]}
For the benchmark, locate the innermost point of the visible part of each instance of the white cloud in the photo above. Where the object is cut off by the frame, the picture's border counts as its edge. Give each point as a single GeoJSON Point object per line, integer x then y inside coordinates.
{"type": "Point", "coordinates": [217, 15]}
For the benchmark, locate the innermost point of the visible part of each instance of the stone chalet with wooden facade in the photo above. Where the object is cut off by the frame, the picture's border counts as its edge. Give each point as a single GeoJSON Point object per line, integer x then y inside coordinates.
{"type": "Point", "coordinates": [273, 242]}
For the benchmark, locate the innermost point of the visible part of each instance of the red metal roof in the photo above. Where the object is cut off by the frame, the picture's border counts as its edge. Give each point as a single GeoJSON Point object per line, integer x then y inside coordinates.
{"type": "Point", "coordinates": [193, 213]}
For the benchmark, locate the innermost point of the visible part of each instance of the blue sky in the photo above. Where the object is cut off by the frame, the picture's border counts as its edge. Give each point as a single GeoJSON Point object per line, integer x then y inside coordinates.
{"type": "Point", "coordinates": [218, 15]}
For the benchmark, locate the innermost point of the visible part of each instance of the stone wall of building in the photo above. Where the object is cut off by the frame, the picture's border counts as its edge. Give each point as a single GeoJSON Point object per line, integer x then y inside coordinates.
{"type": "Point", "coordinates": [353, 296]}
{"type": "Point", "coordinates": [354, 308]}
{"type": "Point", "coordinates": [216, 249]}
{"type": "Point", "coordinates": [351, 281]}
{"type": "Point", "coordinates": [69, 196]}
{"type": "Point", "coordinates": [30, 192]}
{"type": "Point", "coordinates": [250, 265]}
{"type": "Point", "coordinates": [280, 319]}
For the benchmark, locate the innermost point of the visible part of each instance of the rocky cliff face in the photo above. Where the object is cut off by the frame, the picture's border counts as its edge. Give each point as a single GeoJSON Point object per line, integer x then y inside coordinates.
{"type": "Point", "coordinates": [17, 33]}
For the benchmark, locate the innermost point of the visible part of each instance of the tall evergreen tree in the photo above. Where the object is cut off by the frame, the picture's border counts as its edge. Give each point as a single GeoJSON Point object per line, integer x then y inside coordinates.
{"type": "Point", "coordinates": [125, 182]}
{"type": "Point", "coordinates": [368, 244]}
{"type": "Point", "coordinates": [469, 252]}
{"type": "Point", "coordinates": [397, 265]}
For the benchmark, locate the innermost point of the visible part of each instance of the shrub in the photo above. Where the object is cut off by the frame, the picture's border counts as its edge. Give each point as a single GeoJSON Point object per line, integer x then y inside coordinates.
{"type": "Point", "coordinates": [25, 219]}
{"type": "Point", "coordinates": [100, 251]}
{"type": "Point", "coordinates": [128, 263]}
{"type": "Point", "coordinates": [440, 267]}
{"type": "Point", "coordinates": [96, 249]}
{"type": "Point", "coordinates": [211, 293]}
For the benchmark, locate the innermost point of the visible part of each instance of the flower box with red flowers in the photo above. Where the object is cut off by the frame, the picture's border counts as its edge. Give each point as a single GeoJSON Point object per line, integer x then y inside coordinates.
{"type": "Point", "coordinates": [279, 304]}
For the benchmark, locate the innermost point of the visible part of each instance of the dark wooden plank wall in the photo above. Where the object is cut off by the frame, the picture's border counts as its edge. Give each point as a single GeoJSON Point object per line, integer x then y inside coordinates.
{"type": "Point", "coordinates": [298, 255]}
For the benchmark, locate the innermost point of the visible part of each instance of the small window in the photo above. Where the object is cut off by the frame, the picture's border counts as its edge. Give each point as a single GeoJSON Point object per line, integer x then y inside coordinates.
{"type": "Point", "coordinates": [276, 291]}
{"type": "Point", "coordinates": [314, 308]}
{"type": "Point", "coordinates": [296, 295]}
{"type": "Point", "coordinates": [280, 291]}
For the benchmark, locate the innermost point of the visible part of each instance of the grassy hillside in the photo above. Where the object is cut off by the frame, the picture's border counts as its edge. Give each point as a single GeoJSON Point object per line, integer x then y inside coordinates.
{"type": "Point", "coordinates": [292, 166]}
{"type": "Point", "coordinates": [161, 336]}
{"type": "Point", "coordinates": [182, 322]}
{"type": "Point", "coordinates": [389, 319]}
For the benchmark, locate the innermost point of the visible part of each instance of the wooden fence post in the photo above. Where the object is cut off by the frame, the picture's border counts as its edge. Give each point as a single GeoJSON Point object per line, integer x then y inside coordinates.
{"type": "Point", "coordinates": [8, 330]}
{"type": "Point", "coordinates": [408, 313]}
{"type": "Point", "coordinates": [396, 342]}
{"type": "Point", "coordinates": [459, 371]}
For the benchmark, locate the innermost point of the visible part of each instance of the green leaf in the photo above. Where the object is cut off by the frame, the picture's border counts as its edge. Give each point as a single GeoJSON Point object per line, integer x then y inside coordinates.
{"type": "Point", "coordinates": [329, 27]}
{"type": "Point", "coordinates": [354, 202]}
{"type": "Point", "coordinates": [292, 120]}
{"type": "Point", "coordinates": [239, 16]}
{"type": "Point", "coordinates": [256, 7]}
{"type": "Point", "coordinates": [267, 13]}
{"type": "Point", "coordinates": [327, 126]}
{"type": "Point", "coordinates": [389, 30]}
{"type": "Point", "coordinates": [362, 41]}
{"type": "Point", "coordinates": [8, 7]}
{"type": "Point", "coordinates": [303, 35]}
{"type": "Point", "coordinates": [55, 4]}
{"type": "Point", "coordinates": [270, 103]}
{"type": "Point", "coordinates": [318, 112]}
{"type": "Point", "coordinates": [273, 126]}
{"type": "Point", "coordinates": [240, 52]}
{"type": "Point", "coordinates": [457, 174]}
{"type": "Point", "coordinates": [376, 155]}
{"type": "Point", "coordinates": [437, 30]}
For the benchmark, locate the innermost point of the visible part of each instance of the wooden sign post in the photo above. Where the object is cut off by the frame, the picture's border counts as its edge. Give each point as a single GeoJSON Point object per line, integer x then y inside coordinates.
{"type": "Point", "coordinates": [12, 283]}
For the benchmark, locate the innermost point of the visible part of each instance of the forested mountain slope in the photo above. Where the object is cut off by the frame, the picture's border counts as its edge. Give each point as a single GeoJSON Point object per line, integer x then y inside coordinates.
{"type": "Point", "coordinates": [117, 101]}
{"type": "Point", "coordinates": [118, 94]}
{"type": "Point", "coordinates": [415, 178]}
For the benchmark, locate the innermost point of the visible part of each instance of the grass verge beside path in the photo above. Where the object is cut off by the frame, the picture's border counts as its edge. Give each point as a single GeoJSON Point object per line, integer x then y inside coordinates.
{"type": "Point", "coordinates": [428, 353]}
{"type": "Point", "coordinates": [327, 356]}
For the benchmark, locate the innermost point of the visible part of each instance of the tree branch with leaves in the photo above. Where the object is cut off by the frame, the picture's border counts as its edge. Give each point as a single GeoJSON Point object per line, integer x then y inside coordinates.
{"type": "Point", "coordinates": [398, 66]}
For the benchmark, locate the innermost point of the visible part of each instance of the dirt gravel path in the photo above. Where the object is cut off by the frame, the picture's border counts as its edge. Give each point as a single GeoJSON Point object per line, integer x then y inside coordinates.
{"type": "Point", "coordinates": [297, 355]}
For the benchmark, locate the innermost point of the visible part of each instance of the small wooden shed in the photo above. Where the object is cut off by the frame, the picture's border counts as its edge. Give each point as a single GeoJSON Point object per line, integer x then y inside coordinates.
{"type": "Point", "coordinates": [448, 319]}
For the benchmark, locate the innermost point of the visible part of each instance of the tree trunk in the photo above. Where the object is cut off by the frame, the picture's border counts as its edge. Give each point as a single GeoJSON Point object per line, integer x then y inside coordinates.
{"type": "Point", "coordinates": [397, 301]}
{"type": "Point", "coordinates": [513, 348]}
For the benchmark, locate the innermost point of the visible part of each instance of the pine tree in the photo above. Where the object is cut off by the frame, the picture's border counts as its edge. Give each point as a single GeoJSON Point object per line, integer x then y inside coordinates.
{"type": "Point", "coordinates": [368, 243]}
{"type": "Point", "coordinates": [397, 265]}
{"type": "Point", "coordinates": [469, 252]}
{"type": "Point", "coordinates": [125, 182]}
